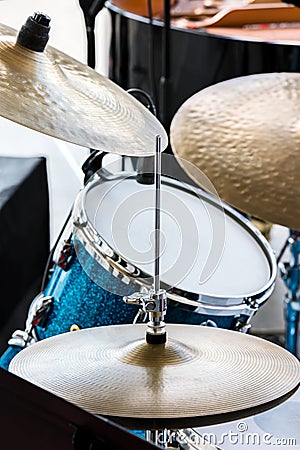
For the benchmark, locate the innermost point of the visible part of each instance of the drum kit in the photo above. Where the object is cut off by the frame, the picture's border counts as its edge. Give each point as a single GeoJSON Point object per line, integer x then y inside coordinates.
{"type": "Point", "coordinates": [87, 347]}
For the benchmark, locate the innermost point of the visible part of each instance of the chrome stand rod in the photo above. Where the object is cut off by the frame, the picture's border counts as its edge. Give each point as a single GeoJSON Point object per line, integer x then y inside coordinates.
{"type": "Point", "coordinates": [155, 302]}
{"type": "Point", "coordinates": [156, 333]}
{"type": "Point", "coordinates": [157, 175]}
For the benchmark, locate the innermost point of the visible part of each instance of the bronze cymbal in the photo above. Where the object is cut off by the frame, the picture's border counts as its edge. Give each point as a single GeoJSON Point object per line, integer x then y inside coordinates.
{"type": "Point", "coordinates": [244, 134]}
{"type": "Point", "coordinates": [53, 93]}
{"type": "Point", "coordinates": [201, 376]}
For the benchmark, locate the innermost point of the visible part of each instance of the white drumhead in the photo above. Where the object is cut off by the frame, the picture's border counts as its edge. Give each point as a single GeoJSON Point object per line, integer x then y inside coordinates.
{"type": "Point", "coordinates": [204, 249]}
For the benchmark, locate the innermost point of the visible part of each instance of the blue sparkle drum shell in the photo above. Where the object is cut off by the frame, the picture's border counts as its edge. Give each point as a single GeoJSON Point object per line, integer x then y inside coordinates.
{"type": "Point", "coordinates": [78, 302]}
{"type": "Point", "coordinates": [113, 222]}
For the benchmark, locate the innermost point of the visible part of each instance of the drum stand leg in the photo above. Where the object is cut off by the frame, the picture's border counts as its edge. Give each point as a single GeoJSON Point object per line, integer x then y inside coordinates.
{"type": "Point", "coordinates": [290, 273]}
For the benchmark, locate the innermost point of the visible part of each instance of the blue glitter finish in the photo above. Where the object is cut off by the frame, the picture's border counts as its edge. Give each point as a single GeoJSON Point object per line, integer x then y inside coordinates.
{"type": "Point", "coordinates": [80, 301]}
{"type": "Point", "coordinates": [8, 355]}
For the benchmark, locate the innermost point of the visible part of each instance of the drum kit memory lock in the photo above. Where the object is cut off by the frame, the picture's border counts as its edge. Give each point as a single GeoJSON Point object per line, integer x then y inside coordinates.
{"type": "Point", "coordinates": [149, 375]}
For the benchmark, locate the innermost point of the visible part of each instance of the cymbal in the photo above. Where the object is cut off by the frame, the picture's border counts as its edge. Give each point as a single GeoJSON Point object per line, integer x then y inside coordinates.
{"type": "Point", "coordinates": [201, 376]}
{"type": "Point", "coordinates": [53, 93]}
{"type": "Point", "coordinates": [244, 134]}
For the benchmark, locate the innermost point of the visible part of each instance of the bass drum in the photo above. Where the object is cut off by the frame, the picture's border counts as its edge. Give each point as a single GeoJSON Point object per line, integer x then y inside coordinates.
{"type": "Point", "coordinates": [197, 58]}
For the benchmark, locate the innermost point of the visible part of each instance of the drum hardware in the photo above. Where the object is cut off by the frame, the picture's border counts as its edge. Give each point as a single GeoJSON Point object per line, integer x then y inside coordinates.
{"type": "Point", "coordinates": [57, 107]}
{"type": "Point", "coordinates": [290, 274]}
{"type": "Point", "coordinates": [245, 151]}
{"type": "Point", "coordinates": [38, 310]}
{"type": "Point", "coordinates": [66, 255]}
{"type": "Point", "coordinates": [154, 305]}
{"type": "Point", "coordinates": [155, 302]}
{"type": "Point", "coordinates": [243, 326]}
{"type": "Point", "coordinates": [34, 34]}
{"type": "Point", "coordinates": [75, 327]}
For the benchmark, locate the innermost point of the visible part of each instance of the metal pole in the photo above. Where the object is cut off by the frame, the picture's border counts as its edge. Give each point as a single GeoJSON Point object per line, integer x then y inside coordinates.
{"type": "Point", "coordinates": [157, 175]}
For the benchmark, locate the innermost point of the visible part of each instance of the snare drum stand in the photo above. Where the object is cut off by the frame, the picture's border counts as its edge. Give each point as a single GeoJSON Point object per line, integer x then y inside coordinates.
{"type": "Point", "coordinates": [290, 274]}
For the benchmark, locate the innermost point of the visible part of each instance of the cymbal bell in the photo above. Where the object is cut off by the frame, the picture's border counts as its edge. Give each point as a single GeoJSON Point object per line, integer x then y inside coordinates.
{"type": "Point", "coordinates": [53, 93]}
{"type": "Point", "coordinates": [201, 376]}
{"type": "Point", "coordinates": [244, 134]}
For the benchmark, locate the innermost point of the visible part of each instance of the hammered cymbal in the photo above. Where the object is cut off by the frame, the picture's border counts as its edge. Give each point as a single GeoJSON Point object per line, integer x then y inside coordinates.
{"type": "Point", "coordinates": [53, 93]}
{"type": "Point", "coordinates": [244, 134]}
{"type": "Point", "coordinates": [201, 376]}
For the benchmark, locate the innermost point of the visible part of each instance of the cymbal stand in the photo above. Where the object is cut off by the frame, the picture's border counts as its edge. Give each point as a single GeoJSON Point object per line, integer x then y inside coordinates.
{"type": "Point", "coordinates": [290, 274]}
{"type": "Point", "coordinates": [155, 302]}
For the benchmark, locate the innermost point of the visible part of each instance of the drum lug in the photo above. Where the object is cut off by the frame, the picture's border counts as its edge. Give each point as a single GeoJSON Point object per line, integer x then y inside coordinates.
{"type": "Point", "coordinates": [21, 339]}
{"type": "Point", "coordinates": [209, 323]}
{"type": "Point", "coordinates": [37, 311]}
{"type": "Point", "coordinates": [252, 302]}
{"type": "Point", "coordinates": [243, 324]}
{"type": "Point", "coordinates": [243, 327]}
{"type": "Point", "coordinates": [66, 255]}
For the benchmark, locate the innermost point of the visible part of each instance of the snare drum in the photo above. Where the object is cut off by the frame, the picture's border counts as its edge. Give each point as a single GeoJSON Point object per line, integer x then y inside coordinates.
{"type": "Point", "coordinates": [216, 266]}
